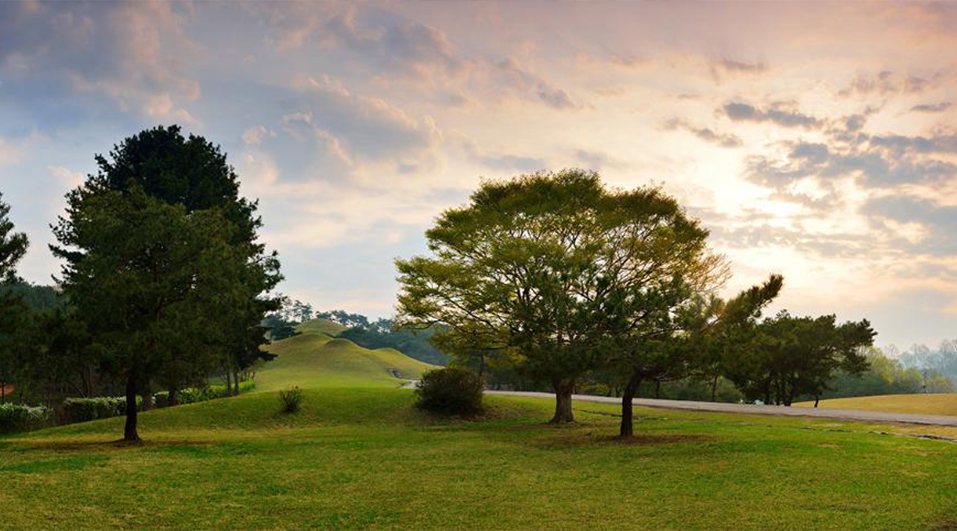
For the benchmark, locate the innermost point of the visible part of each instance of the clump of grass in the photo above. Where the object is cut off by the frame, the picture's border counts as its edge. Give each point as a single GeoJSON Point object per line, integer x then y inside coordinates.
{"type": "Point", "coordinates": [291, 399]}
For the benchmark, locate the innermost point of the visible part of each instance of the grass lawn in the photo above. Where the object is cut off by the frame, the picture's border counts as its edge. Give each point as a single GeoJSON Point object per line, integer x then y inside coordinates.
{"type": "Point", "coordinates": [927, 404]}
{"type": "Point", "coordinates": [360, 456]}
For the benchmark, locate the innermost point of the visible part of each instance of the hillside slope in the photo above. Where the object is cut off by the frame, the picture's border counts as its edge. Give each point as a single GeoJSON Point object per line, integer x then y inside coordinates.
{"type": "Point", "coordinates": [927, 404]}
{"type": "Point", "coordinates": [318, 360]}
{"type": "Point", "coordinates": [321, 326]}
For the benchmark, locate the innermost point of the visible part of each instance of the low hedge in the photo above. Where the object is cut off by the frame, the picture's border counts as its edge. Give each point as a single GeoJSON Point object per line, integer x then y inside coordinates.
{"type": "Point", "coordinates": [192, 395]}
{"type": "Point", "coordinates": [85, 409]}
{"type": "Point", "coordinates": [15, 417]}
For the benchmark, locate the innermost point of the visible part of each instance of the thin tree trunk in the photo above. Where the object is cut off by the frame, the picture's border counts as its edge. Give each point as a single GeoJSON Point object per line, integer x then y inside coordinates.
{"type": "Point", "coordinates": [817, 399]}
{"type": "Point", "coordinates": [481, 366]}
{"type": "Point", "coordinates": [236, 383]}
{"type": "Point", "coordinates": [657, 388]}
{"type": "Point", "coordinates": [627, 406]}
{"type": "Point", "coordinates": [714, 387]}
{"type": "Point", "coordinates": [172, 398]}
{"type": "Point", "coordinates": [563, 401]}
{"type": "Point", "coordinates": [129, 433]}
{"type": "Point", "coordinates": [229, 382]}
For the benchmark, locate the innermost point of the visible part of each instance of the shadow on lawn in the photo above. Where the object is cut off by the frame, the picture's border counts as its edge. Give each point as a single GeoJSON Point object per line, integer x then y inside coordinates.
{"type": "Point", "coordinates": [32, 445]}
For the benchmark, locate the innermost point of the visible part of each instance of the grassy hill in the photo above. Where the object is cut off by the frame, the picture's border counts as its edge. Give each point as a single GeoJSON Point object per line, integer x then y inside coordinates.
{"type": "Point", "coordinates": [928, 404]}
{"type": "Point", "coordinates": [321, 326]}
{"type": "Point", "coordinates": [314, 359]}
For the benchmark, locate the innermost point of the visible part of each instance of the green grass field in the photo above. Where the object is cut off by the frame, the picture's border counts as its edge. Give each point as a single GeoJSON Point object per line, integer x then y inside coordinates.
{"type": "Point", "coordinates": [927, 404]}
{"type": "Point", "coordinates": [360, 456]}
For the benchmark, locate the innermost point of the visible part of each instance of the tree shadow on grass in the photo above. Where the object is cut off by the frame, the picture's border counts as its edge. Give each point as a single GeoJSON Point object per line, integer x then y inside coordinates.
{"type": "Point", "coordinates": [86, 446]}
{"type": "Point", "coordinates": [563, 439]}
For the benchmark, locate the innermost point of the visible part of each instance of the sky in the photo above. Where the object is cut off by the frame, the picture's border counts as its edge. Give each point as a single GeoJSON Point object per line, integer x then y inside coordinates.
{"type": "Point", "coordinates": [813, 139]}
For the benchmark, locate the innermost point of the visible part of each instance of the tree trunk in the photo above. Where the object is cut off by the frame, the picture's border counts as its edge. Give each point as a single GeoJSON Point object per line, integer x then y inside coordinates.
{"type": "Point", "coordinates": [657, 388]}
{"type": "Point", "coordinates": [172, 398]}
{"type": "Point", "coordinates": [147, 394]}
{"type": "Point", "coordinates": [481, 366]}
{"type": "Point", "coordinates": [129, 433]}
{"type": "Point", "coordinates": [627, 406]}
{"type": "Point", "coordinates": [714, 387]}
{"type": "Point", "coordinates": [563, 401]}
{"type": "Point", "coordinates": [236, 383]}
{"type": "Point", "coordinates": [816, 400]}
{"type": "Point", "coordinates": [229, 382]}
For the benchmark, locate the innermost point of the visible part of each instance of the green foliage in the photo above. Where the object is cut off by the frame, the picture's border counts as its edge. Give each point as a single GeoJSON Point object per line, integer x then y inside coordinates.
{"type": "Point", "coordinates": [291, 400]}
{"type": "Point", "coordinates": [450, 391]}
{"type": "Point", "coordinates": [16, 418]}
{"type": "Point", "coordinates": [279, 328]}
{"type": "Point", "coordinates": [552, 266]}
{"type": "Point", "coordinates": [799, 356]}
{"type": "Point", "coordinates": [87, 409]}
{"type": "Point", "coordinates": [13, 322]}
{"type": "Point", "coordinates": [886, 376]}
{"type": "Point", "coordinates": [413, 343]}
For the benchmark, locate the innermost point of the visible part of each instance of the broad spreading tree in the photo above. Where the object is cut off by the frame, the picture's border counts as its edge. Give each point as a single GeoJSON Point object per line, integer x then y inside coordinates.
{"type": "Point", "coordinates": [559, 269]}
{"type": "Point", "coordinates": [13, 246]}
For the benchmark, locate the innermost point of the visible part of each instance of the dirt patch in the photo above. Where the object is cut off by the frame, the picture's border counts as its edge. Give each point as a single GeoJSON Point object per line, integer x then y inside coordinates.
{"type": "Point", "coordinates": [828, 445]}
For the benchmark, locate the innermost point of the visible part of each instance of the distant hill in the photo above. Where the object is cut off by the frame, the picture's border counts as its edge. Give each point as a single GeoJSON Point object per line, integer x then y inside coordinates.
{"type": "Point", "coordinates": [321, 326]}
{"type": "Point", "coordinates": [316, 359]}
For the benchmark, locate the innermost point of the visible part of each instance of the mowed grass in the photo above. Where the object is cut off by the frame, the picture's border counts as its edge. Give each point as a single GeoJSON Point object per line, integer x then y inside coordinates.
{"type": "Point", "coordinates": [321, 326]}
{"type": "Point", "coordinates": [363, 457]}
{"type": "Point", "coordinates": [926, 404]}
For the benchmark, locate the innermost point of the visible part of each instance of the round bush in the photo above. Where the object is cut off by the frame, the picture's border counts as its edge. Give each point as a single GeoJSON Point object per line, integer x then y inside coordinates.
{"type": "Point", "coordinates": [450, 391]}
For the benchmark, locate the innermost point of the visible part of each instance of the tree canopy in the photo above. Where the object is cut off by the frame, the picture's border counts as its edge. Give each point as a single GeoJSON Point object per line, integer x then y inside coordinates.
{"type": "Point", "coordinates": [548, 265]}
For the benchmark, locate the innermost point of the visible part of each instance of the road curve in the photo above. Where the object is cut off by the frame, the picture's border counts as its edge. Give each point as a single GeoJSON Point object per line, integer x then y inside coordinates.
{"type": "Point", "coordinates": [716, 407]}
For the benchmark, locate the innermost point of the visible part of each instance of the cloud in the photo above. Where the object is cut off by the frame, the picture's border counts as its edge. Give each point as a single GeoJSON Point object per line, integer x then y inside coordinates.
{"type": "Point", "coordinates": [704, 133]}
{"type": "Point", "coordinates": [254, 135]}
{"type": "Point", "coordinates": [524, 82]}
{"type": "Point", "coordinates": [130, 52]}
{"type": "Point", "coordinates": [938, 220]}
{"type": "Point", "coordinates": [935, 107]}
{"type": "Point", "coordinates": [501, 161]}
{"type": "Point", "coordinates": [721, 68]}
{"type": "Point", "coordinates": [886, 83]}
{"type": "Point", "coordinates": [744, 112]}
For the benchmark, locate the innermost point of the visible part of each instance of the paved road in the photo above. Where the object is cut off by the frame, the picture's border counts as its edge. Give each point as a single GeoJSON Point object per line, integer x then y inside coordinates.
{"type": "Point", "coordinates": [822, 412]}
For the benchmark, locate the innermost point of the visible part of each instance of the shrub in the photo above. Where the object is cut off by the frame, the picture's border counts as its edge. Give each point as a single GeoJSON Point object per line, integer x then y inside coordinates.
{"type": "Point", "coordinates": [450, 391]}
{"type": "Point", "coordinates": [15, 417]}
{"type": "Point", "coordinates": [291, 400]}
{"type": "Point", "coordinates": [101, 407]}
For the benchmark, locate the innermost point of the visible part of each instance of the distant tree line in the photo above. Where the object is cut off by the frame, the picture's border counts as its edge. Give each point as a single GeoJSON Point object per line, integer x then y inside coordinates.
{"type": "Point", "coordinates": [164, 281]}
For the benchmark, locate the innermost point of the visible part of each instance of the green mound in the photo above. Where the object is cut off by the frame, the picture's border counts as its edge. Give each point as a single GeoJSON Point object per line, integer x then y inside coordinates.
{"type": "Point", "coordinates": [321, 326]}
{"type": "Point", "coordinates": [317, 360]}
